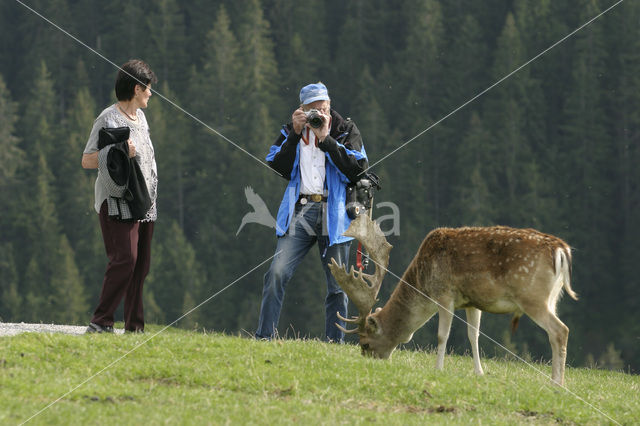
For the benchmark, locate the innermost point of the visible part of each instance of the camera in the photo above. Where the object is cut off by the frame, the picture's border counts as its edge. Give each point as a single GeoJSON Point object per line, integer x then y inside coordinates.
{"type": "Point", "coordinates": [359, 197]}
{"type": "Point", "coordinates": [314, 118]}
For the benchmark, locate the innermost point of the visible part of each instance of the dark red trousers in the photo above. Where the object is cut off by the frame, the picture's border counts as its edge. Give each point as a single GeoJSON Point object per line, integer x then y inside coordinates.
{"type": "Point", "coordinates": [128, 246]}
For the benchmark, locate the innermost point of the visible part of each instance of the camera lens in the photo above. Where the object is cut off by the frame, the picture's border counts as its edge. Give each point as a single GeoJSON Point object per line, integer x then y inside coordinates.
{"type": "Point", "coordinates": [314, 119]}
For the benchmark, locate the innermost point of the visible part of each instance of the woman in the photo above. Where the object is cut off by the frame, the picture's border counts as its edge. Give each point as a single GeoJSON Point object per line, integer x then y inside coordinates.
{"type": "Point", "coordinates": [128, 244]}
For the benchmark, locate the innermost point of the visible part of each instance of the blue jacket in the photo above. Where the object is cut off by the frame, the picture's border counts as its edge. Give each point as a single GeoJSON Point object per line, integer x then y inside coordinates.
{"type": "Point", "coordinates": [346, 158]}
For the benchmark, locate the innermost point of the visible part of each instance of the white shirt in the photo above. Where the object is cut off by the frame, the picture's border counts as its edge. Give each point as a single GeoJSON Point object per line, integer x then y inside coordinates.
{"type": "Point", "coordinates": [312, 164]}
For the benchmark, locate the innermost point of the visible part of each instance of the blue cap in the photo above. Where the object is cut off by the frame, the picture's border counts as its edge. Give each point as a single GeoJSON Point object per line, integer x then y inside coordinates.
{"type": "Point", "coordinates": [314, 92]}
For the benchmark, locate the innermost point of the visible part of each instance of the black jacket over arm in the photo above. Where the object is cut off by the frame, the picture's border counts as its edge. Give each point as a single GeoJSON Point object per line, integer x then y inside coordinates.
{"type": "Point", "coordinates": [342, 132]}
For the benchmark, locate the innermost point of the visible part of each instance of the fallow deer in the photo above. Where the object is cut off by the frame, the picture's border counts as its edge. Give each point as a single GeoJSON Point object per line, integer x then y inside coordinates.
{"type": "Point", "coordinates": [493, 269]}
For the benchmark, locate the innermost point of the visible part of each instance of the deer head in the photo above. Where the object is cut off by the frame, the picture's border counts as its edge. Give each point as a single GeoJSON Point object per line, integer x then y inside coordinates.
{"type": "Point", "coordinates": [362, 289]}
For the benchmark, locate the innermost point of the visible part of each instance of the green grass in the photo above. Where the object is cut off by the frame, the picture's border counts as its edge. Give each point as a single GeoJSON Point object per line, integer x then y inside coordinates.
{"type": "Point", "coordinates": [182, 377]}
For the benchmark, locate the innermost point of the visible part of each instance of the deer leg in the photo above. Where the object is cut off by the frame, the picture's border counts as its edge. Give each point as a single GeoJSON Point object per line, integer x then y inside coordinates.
{"type": "Point", "coordinates": [473, 331]}
{"type": "Point", "coordinates": [445, 316]}
{"type": "Point", "coordinates": [558, 337]}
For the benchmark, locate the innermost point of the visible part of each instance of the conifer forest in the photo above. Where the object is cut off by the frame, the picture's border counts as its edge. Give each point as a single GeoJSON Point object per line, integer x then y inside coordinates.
{"type": "Point", "coordinates": [554, 146]}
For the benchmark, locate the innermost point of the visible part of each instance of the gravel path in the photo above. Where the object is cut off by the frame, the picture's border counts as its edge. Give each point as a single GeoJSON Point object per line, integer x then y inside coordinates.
{"type": "Point", "coordinates": [11, 329]}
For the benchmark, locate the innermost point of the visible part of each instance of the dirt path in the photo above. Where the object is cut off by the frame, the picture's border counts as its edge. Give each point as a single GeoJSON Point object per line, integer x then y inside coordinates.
{"type": "Point", "coordinates": [11, 329]}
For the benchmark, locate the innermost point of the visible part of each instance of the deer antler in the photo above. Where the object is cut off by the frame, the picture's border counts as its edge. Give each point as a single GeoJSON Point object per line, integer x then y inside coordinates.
{"type": "Point", "coordinates": [363, 288]}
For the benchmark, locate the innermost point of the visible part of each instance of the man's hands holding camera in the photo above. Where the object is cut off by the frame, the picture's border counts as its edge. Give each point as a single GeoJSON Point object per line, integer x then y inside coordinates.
{"type": "Point", "coordinates": [299, 119]}
{"type": "Point", "coordinates": [309, 119]}
{"type": "Point", "coordinates": [321, 131]}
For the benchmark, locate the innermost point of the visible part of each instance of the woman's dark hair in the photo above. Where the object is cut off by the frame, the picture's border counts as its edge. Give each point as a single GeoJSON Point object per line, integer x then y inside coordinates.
{"type": "Point", "coordinates": [131, 73]}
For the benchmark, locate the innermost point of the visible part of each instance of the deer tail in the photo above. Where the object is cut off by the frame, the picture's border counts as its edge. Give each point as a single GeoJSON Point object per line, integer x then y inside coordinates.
{"type": "Point", "coordinates": [563, 269]}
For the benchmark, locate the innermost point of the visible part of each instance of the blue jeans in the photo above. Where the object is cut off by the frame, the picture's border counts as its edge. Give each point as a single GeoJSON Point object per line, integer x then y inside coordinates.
{"type": "Point", "coordinates": [305, 229]}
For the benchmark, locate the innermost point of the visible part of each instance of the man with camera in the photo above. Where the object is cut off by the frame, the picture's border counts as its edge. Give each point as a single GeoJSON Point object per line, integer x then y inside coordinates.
{"type": "Point", "coordinates": [319, 153]}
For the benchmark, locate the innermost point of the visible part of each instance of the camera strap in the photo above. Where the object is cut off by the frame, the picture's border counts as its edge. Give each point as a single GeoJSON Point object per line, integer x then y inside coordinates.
{"type": "Point", "coordinates": [359, 264]}
{"type": "Point", "coordinates": [306, 139]}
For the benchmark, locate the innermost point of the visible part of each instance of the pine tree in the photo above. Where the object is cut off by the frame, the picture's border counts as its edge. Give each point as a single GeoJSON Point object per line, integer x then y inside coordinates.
{"type": "Point", "coordinates": [43, 43]}
{"type": "Point", "coordinates": [506, 117]}
{"type": "Point", "coordinates": [370, 33]}
{"type": "Point", "coordinates": [489, 14]}
{"type": "Point", "coordinates": [40, 245]}
{"type": "Point", "coordinates": [10, 299]}
{"type": "Point", "coordinates": [153, 314]}
{"type": "Point", "coordinates": [8, 36]}
{"type": "Point", "coordinates": [67, 301]}
{"type": "Point", "coordinates": [38, 120]}
{"type": "Point", "coordinates": [75, 207]}
{"type": "Point", "coordinates": [258, 76]}
{"type": "Point", "coordinates": [37, 219]}
{"type": "Point", "coordinates": [254, 126]}
{"type": "Point", "coordinates": [168, 128]}
{"type": "Point", "coordinates": [127, 37]}
{"type": "Point", "coordinates": [465, 61]}
{"type": "Point", "coordinates": [584, 136]}
{"type": "Point", "coordinates": [472, 195]}
{"type": "Point", "coordinates": [464, 75]}
{"type": "Point", "coordinates": [167, 55]}
{"type": "Point", "coordinates": [220, 110]}
{"type": "Point", "coordinates": [539, 26]}
{"type": "Point", "coordinates": [623, 110]}
{"type": "Point", "coordinates": [368, 114]}
{"type": "Point", "coordinates": [34, 306]}
{"type": "Point", "coordinates": [37, 139]}
{"type": "Point", "coordinates": [212, 158]}
{"type": "Point", "coordinates": [421, 63]}
{"type": "Point", "coordinates": [426, 155]}
{"type": "Point", "coordinates": [218, 77]}
{"type": "Point", "coordinates": [350, 55]}
{"type": "Point", "coordinates": [298, 31]}
{"type": "Point", "coordinates": [179, 277]}
{"type": "Point", "coordinates": [12, 158]}
{"type": "Point", "coordinates": [75, 185]}
{"type": "Point", "coordinates": [54, 290]}
{"type": "Point", "coordinates": [586, 157]}
{"type": "Point", "coordinates": [198, 16]}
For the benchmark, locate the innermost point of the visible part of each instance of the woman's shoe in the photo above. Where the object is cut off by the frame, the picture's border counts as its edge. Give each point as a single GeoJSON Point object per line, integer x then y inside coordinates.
{"type": "Point", "coordinates": [97, 328]}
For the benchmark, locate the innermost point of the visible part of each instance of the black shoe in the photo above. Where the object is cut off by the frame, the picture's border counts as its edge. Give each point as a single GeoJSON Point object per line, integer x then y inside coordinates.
{"type": "Point", "coordinates": [136, 331]}
{"type": "Point", "coordinates": [97, 328]}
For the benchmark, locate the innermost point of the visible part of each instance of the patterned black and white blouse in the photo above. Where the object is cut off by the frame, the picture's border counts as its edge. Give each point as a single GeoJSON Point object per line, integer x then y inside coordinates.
{"type": "Point", "coordinates": [145, 154]}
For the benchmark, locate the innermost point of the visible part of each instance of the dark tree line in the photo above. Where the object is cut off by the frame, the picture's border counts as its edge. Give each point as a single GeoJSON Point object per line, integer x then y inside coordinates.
{"type": "Point", "coordinates": [555, 147]}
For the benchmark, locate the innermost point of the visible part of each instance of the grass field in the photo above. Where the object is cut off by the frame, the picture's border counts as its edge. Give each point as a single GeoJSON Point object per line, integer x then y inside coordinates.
{"type": "Point", "coordinates": [182, 377]}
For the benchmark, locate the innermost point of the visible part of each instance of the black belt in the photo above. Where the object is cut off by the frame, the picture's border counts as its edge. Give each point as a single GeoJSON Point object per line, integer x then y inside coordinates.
{"type": "Point", "coordinates": [314, 198]}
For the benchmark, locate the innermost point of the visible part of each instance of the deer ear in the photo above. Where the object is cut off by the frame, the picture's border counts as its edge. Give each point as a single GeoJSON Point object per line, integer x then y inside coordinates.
{"type": "Point", "coordinates": [373, 326]}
